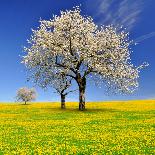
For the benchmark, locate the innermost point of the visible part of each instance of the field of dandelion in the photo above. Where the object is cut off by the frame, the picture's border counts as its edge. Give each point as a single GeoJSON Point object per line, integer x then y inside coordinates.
{"type": "Point", "coordinates": [126, 127]}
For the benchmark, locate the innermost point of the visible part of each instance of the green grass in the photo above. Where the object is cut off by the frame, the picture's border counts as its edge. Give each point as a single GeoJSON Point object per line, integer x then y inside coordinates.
{"type": "Point", "coordinates": [104, 128]}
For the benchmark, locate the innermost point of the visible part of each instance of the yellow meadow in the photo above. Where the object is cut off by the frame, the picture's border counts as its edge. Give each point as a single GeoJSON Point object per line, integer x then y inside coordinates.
{"type": "Point", "coordinates": [126, 127]}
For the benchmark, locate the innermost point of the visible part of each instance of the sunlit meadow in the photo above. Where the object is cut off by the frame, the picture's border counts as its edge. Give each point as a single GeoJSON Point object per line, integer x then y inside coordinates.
{"type": "Point", "coordinates": [126, 127]}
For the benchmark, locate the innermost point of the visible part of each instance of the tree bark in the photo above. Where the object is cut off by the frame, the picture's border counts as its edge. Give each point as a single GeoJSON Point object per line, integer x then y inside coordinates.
{"type": "Point", "coordinates": [63, 106]}
{"type": "Point", "coordinates": [82, 87]}
{"type": "Point", "coordinates": [25, 102]}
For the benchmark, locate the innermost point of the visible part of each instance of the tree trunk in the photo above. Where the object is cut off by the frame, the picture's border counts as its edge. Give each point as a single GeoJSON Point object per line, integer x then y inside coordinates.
{"type": "Point", "coordinates": [25, 102]}
{"type": "Point", "coordinates": [81, 99]}
{"type": "Point", "coordinates": [82, 87]}
{"type": "Point", "coordinates": [63, 106]}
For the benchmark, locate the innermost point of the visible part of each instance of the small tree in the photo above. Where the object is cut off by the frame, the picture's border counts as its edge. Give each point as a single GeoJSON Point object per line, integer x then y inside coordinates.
{"type": "Point", "coordinates": [25, 94]}
{"type": "Point", "coordinates": [59, 81]}
{"type": "Point", "coordinates": [61, 85]}
{"type": "Point", "coordinates": [74, 45]}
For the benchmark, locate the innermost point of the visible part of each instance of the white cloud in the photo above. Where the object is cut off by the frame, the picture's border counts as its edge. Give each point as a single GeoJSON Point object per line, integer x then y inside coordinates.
{"type": "Point", "coordinates": [117, 12]}
{"type": "Point", "coordinates": [144, 37]}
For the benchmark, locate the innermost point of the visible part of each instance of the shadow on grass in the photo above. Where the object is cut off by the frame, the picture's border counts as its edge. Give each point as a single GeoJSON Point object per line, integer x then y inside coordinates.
{"type": "Point", "coordinates": [24, 104]}
{"type": "Point", "coordinates": [73, 109]}
{"type": "Point", "coordinates": [92, 110]}
{"type": "Point", "coordinates": [100, 110]}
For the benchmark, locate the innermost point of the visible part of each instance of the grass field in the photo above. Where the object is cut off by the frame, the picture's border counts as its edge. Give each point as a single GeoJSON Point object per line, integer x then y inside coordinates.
{"type": "Point", "coordinates": [104, 128]}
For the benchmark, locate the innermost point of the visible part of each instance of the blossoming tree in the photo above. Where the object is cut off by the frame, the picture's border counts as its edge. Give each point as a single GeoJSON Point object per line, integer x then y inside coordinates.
{"type": "Point", "coordinates": [44, 78]}
{"type": "Point", "coordinates": [74, 45]}
{"type": "Point", "coordinates": [61, 85]}
{"type": "Point", "coordinates": [25, 94]}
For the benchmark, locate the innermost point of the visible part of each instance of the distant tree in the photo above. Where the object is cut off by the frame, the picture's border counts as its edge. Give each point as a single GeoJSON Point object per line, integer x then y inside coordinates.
{"type": "Point", "coordinates": [74, 45]}
{"type": "Point", "coordinates": [25, 94]}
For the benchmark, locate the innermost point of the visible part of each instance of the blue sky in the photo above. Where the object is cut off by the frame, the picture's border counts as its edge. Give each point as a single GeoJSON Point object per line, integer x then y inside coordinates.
{"type": "Point", "coordinates": [19, 16]}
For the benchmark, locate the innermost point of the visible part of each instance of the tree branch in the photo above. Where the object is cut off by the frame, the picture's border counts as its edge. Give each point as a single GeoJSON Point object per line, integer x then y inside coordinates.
{"type": "Point", "coordinates": [62, 65]}
{"type": "Point", "coordinates": [71, 76]}
{"type": "Point", "coordinates": [71, 91]}
{"type": "Point", "coordinates": [87, 72]}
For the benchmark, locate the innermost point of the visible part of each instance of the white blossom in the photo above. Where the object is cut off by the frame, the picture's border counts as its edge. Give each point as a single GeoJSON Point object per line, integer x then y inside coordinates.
{"type": "Point", "coordinates": [25, 94]}
{"type": "Point", "coordinates": [74, 45]}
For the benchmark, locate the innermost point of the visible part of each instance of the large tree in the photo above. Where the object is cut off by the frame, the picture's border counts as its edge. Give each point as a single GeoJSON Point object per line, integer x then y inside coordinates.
{"type": "Point", "coordinates": [74, 45]}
